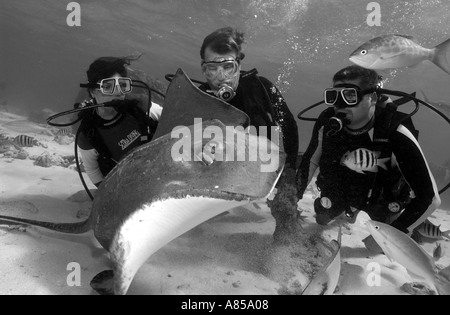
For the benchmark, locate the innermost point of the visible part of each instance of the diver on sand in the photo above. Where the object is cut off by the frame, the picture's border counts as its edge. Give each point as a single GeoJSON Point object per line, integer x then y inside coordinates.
{"type": "Point", "coordinates": [368, 157]}
{"type": "Point", "coordinates": [259, 98]}
{"type": "Point", "coordinates": [108, 133]}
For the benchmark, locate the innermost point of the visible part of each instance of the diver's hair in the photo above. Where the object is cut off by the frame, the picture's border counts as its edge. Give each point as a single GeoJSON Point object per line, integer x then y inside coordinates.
{"type": "Point", "coordinates": [368, 78]}
{"type": "Point", "coordinates": [224, 40]}
{"type": "Point", "coordinates": [105, 67]}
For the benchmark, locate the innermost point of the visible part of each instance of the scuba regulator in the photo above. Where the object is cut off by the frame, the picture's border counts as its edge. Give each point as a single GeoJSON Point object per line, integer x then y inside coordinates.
{"type": "Point", "coordinates": [225, 93]}
{"type": "Point", "coordinates": [339, 120]}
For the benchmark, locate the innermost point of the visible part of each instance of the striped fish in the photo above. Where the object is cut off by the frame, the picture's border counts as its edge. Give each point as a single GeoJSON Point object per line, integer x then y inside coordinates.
{"type": "Point", "coordinates": [363, 160]}
{"type": "Point", "coordinates": [429, 230]}
{"type": "Point", "coordinates": [64, 132]}
{"type": "Point", "coordinates": [25, 141]}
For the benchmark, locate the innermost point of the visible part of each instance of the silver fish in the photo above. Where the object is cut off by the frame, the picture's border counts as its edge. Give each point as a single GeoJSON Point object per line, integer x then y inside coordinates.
{"type": "Point", "coordinates": [363, 160]}
{"type": "Point", "coordinates": [326, 280]}
{"type": "Point", "coordinates": [25, 141]}
{"type": "Point", "coordinates": [398, 51]}
{"type": "Point", "coordinates": [429, 230]}
{"type": "Point", "coordinates": [399, 247]}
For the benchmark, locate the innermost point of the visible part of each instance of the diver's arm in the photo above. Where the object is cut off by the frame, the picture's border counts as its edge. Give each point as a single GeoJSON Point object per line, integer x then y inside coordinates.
{"type": "Point", "coordinates": [310, 160]}
{"type": "Point", "coordinates": [155, 111]}
{"type": "Point", "coordinates": [416, 172]}
{"type": "Point", "coordinates": [90, 162]}
{"type": "Point", "coordinates": [284, 118]}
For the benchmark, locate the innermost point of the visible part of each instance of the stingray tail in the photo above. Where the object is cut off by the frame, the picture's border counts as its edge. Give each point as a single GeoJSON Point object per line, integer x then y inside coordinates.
{"type": "Point", "coordinates": [71, 228]}
{"type": "Point", "coordinates": [440, 56]}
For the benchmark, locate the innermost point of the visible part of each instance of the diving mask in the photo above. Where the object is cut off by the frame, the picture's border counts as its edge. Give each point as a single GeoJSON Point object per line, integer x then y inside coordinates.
{"type": "Point", "coordinates": [111, 86]}
{"type": "Point", "coordinates": [349, 93]}
{"type": "Point", "coordinates": [221, 69]}
{"type": "Point", "coordinates": [108, 86]}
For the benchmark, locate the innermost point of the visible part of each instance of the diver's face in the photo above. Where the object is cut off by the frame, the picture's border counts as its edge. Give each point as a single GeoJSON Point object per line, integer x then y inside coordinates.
{"type": "Point", "coordinates": [107, 112]}
{"type": "Point", "coordinates": [216, 81]}
{"type": "Point", "coordinates": [361, 114]}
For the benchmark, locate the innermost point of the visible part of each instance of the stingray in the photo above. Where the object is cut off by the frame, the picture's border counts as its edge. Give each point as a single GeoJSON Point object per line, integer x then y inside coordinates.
{"type": "Point", "coordinates": [153, 196]}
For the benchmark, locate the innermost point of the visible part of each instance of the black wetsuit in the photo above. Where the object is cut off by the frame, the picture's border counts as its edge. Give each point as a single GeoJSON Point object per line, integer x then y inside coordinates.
{"type": "Point", "coordinates": [347, 188]}
{"type": "Point", "coordinates": [104, 143]}
{"type": "Point", "coordinates": [263, 103]}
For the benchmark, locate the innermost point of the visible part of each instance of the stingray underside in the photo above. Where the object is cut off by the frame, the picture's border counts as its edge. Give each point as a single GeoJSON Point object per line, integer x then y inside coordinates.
{"type": "Point", "coordinates": [181, 179]}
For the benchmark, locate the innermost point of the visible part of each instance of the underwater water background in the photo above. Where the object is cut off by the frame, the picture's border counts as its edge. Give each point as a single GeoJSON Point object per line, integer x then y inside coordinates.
{"type": "Point", "coordinates": [297, 44]}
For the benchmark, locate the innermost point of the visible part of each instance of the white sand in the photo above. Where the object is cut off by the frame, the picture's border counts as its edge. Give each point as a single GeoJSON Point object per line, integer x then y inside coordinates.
{"type": "Point", "coordinates": [226, 255]}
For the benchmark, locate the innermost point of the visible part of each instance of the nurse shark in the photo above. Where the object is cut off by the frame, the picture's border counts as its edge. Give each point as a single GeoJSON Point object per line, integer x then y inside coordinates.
{"type": "Point", "coordinates": [153, 196]}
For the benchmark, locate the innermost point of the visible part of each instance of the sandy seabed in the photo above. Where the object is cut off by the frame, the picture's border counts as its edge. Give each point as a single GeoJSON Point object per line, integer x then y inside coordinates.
{"type": "Point", "coordinates": [231, 254]}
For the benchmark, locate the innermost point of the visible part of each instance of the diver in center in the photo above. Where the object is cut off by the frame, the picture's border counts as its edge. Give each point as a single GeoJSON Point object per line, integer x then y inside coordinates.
{"type": "Point", "coordinates": [221, 57]}
{"type": "Point", "coordinates": [368, 157]}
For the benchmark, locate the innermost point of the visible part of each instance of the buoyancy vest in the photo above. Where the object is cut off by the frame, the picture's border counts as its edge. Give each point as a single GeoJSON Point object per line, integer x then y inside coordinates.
{"type": "Point", "coordinates": [389, 184]}
{"type": "Point", "coordinates": [94, 132]}
{"type": "Point", "coordinates": [384, 182]}
{"type": "Point", "coordinates": [253, 99]}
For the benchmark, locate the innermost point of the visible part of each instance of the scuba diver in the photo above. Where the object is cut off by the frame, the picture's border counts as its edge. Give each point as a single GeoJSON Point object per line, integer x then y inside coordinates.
{"type": "Point", "coordinates": [368, 157]}
{"type": "Point", "coordinates": [221, 56]}
{"type": "Point", "coordinates": [109, 132]}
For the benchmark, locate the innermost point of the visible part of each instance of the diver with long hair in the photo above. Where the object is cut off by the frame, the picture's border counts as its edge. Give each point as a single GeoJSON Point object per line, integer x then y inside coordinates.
{"type": "Point", "coordinates": [109, 132]}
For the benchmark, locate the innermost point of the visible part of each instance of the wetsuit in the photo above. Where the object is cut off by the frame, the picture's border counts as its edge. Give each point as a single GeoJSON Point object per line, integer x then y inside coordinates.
{"type": "Point", "coordinates": [345, 187]}
{"type": "Point", "coordinates": [103, 143]}
{"type": "Point", "coordinates": [263, 103]}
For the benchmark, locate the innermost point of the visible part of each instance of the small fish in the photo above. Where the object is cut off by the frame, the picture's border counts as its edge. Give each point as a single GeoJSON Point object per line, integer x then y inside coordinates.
{"type": "Point", "coordinates": [398, 51]}
{"type": "Point", "coordinates": [362, 160]}
{"type": "Point", "coordinates": [64, 132]}
{"type": "Point", "coordinates": [437, 252]}
{"type": "Point", "coordinates": [429, 230]}
{"type": "Point", "coordinates": [25, 141]}
{"type": "Point", "coordinates": [399, 247]}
